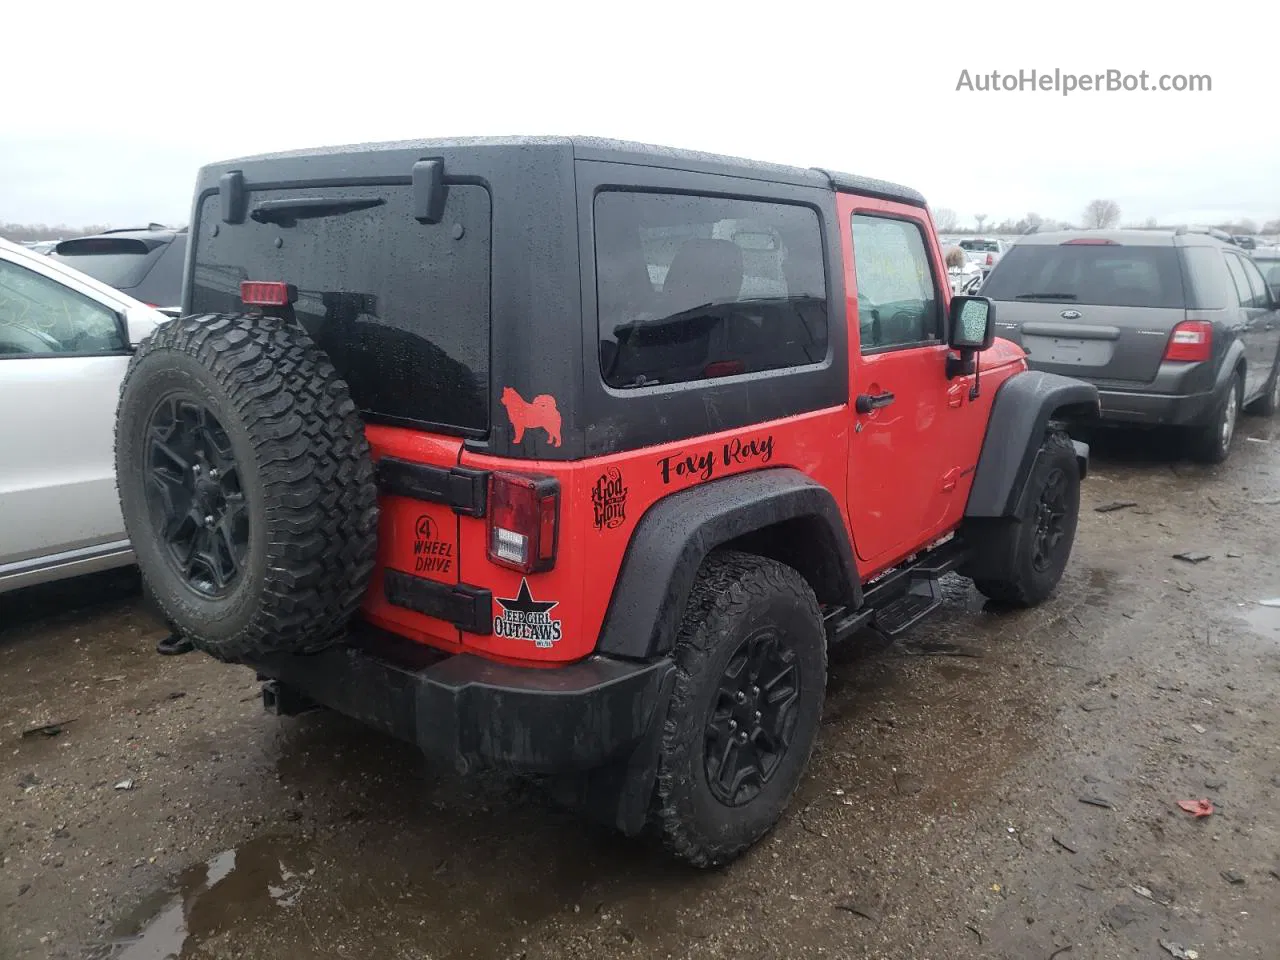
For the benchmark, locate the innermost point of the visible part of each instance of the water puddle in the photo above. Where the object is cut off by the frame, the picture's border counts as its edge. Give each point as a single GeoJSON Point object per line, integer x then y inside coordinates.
{"type": "Point", "coordinates": [248, 884]}
{"type": "Point", "coordinates": [1263, 618]}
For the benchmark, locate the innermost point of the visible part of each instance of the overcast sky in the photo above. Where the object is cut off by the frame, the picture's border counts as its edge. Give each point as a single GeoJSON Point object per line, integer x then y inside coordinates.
{"type": "Point", "coordinates": [111, 107]}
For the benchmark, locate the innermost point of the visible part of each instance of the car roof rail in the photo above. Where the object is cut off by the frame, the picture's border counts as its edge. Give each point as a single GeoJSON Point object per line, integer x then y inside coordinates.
{"type": "Point", "coordinates": [1034, 228]}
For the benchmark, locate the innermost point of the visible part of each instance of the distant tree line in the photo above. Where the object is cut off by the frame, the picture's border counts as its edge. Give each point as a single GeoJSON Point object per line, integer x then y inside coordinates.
{"type": "Point", "coordinates": [29, 232]}
{"type": "Point", "coordinates": [1098, 214]}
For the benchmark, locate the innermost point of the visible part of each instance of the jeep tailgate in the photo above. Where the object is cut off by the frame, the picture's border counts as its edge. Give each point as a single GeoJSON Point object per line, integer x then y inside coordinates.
{"type": "Point", "coordinates": [401, 308]}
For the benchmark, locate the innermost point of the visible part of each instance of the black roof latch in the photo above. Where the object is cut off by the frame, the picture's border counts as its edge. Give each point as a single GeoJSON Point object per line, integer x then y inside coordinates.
{"type": "Point", "coordinates": [233, 196]}
{"type": "Point", "coordinates": [428, 191]}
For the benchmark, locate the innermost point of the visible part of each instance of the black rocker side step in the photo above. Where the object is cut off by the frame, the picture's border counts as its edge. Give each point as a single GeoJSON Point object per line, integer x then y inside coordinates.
{"type": "Point", "coordinates": [922, 598]}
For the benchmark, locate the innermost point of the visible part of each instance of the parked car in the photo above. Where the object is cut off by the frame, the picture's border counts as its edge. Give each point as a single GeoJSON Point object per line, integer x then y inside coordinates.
{"type": "Point", "coordinates": [1268, 261]}
{"type": "Point", "coordinates": [986, 253]}
{"type": "Point", "coordinates": [1175, 327]}
{"type": "Point", "coordinates": [144, 262]}
{"type": "Point", "coordinates": [1244, 241]}
{"type": "Point", "coordinates": [65, 340]}
{"type": "Point", "coordinates": [565, 474]}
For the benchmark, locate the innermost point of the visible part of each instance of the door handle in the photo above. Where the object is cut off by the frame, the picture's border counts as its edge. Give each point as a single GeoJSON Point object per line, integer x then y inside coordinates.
{"type": "Point", "coordinates": [866, 402]}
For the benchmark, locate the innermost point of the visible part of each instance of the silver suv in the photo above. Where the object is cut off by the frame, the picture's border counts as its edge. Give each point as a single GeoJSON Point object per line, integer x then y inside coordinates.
{"type": "Point", "coordinates": [1175, 327]}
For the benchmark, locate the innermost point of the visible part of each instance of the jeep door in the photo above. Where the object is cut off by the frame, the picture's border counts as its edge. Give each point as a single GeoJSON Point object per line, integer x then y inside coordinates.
{"type": "Point", "coordinates": [912, 427]}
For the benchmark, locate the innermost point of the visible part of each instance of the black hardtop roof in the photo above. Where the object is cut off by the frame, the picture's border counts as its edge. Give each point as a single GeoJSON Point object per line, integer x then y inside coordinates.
{"type": "Point", "coordinates": [597, 148]}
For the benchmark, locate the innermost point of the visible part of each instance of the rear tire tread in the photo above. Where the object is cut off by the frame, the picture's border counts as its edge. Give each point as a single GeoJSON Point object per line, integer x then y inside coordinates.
{"type": "Point", "coordinates": [320, 499]}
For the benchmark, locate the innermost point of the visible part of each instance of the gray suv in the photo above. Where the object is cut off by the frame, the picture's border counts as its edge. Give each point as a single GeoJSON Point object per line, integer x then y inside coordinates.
{"type": "Point", "coordinates": [1174, 327]}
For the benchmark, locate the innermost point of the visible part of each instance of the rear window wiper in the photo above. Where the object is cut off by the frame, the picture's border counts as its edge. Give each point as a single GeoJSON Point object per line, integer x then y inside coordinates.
{"type": "Point", "coordinates": [285, 213]}
{"type": "Point", "coordinates": [1045, 296]}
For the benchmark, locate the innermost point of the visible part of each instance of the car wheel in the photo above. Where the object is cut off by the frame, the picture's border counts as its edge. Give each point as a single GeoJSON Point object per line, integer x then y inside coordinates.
{"type": "Point", "coordinates": [751, 667]}
{"type": "Point", "coordinates": [1023, 560]}
{"type": "Point", "coordinates": [1269, 403]}
{"type": "Point", "coordinates": [246, 485]}
{"type": "Point", "coordinates": [1211, 443]}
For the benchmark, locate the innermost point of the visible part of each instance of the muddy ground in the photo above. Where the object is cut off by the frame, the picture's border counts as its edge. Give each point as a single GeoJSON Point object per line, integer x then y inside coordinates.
{"type": "Point", "coordinates": [943, 815]}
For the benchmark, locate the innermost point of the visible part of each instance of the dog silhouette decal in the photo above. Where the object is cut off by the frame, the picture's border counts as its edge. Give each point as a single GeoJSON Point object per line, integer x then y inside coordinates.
{"type": "Point", "coordinates": [526, 414]}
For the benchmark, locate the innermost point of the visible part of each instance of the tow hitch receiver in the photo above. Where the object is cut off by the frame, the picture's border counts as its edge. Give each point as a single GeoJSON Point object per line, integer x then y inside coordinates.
{"type": "Point", "coordinates": [282, 701]}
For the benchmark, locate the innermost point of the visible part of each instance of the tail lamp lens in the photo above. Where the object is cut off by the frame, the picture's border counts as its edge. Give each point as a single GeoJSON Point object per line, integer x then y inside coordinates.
{"type": "Point", "coordinates": [524, 519]}
{"type": "Point", "coordinates": [990, 260]}
{"type": "Point", "coordinates": [1192, 340]}
{"type": "Point", "coordinates": [267, 293]}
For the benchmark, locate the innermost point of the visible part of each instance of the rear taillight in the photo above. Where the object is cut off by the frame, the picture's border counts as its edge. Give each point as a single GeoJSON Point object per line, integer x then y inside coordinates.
{"type": "Point", "coordinates": [990, 260]}
{"type": "Point", "coordinates": [267, 293]}
{"type": "Point", "coordinates": [1191, 340]}
{"type": "Point", "coordinates": [524, 517]}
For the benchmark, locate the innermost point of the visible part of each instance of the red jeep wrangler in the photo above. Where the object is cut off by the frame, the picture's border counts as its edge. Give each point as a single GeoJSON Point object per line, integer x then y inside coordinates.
{"type": "Point", "coordinates": [572, 457]}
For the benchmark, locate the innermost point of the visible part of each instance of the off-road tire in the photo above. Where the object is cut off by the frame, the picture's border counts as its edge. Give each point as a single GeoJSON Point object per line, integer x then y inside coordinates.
{"type": "Point", "coordinates": [305, 471]}
{"type": "Point", "coordinates": [735, 597]}
{"type": "Point", "coordinates": [1008, 547]}
{"type": "Point", "coordinates": [1211, 443]}
{"type": "Point", "coordinates": [1268, 405]}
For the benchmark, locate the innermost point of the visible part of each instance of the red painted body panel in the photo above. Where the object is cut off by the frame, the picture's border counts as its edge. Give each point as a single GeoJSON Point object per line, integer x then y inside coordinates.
{"type": "Point", "coordinates": [911, 464]}
{"type": "Point", "coordinates": [590, 556]}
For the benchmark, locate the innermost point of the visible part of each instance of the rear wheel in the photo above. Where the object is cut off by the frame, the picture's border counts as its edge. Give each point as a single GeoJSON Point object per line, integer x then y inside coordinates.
{"type": "Point", "coordinates": [1211, 443]}
{"type": "Point", "coordinates": [1021, 561]}
{"type": "Point", "coordinates": [750, 682]}
{"type": "Point", "coordinates": [246, 485]}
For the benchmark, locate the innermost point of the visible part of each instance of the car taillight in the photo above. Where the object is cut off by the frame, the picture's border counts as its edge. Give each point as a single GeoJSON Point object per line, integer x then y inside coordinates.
{"type": "Point", "coordinates": [1191, 340]}
{"type": "Point", "coordinates": [524, 517]}
{"type": "Point", "coordinates": [267, 293]}
{"type": "Point", "coordinates": [990, 260]}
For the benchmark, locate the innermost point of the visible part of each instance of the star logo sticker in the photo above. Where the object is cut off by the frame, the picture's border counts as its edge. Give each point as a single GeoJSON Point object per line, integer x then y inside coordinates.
{"type": "Point", "coordinates": [524, 603]}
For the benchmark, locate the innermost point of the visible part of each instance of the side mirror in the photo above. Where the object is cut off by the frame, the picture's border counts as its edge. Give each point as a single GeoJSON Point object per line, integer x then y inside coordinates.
{"type": "Point", "coordinates": [971, 327]}
{"type": "Point", "coordinates": [972, 324]}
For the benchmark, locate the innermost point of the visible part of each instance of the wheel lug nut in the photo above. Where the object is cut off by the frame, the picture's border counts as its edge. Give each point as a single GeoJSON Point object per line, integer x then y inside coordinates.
{"type": "Point", "coordinates": [733, 724]}
{"type": "Point", "coordinates": [757, 716]}
{"type": "Point", "coordinates": [208, 520]}
{"type": "Point", "coordinates": [755, 691]}
{"type": "Point", "coordinates": [213, 474]}
{"type": "Point", "coordinates": [743, 736]}
{"type": "Point", "coordinates": [741, 697]}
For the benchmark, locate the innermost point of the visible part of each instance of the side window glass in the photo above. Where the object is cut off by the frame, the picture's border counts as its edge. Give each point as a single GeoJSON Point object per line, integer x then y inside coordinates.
{"type": "Point", "coordinates": [898, 303]}
{"type": "Point", "coordinates": [39, 316]}
{"type": "Point", "coordinates": [1256, 283]}
{"type": "Point", "coordinates": [1244, 295]}
{"type": "Point", "coordinates": [694, 287]}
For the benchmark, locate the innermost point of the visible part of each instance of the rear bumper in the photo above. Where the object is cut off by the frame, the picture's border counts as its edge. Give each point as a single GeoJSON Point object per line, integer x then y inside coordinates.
{"type": "Point", "coordinates": [1156, 409]}
{"type": "Point", "coordinates": [475, 713]}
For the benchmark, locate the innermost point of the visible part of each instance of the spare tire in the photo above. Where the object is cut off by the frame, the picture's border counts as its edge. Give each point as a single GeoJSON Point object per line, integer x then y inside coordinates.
{"type": "Point", "coordinates": [246, 484]}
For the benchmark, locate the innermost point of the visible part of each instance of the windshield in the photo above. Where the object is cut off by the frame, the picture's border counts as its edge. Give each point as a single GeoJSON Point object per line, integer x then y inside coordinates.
{"type": "Point", "coordinates": [1100, 274]}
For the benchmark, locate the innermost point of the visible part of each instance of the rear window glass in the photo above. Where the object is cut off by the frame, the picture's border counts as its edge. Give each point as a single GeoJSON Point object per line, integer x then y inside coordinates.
{"type": "Point", "coordinates": [695, 287]}
{"type": "Point", "coordinates": [1210, 286]}
{"type": "Point", "coordinates": [983, 246]}
{"type": "Point", "coordinates": [1112, 275]}
{"type": "Point", "coordinates": [401, 307]}
{"type": "Point", "coordinates": [119, 262]}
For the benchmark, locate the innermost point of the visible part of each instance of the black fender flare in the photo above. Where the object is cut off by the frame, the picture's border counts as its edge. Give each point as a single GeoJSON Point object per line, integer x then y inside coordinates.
{"type": "Point", "coordinates": [1020, 414]}
{"type": "Point", "coordinates": [675, 535]}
